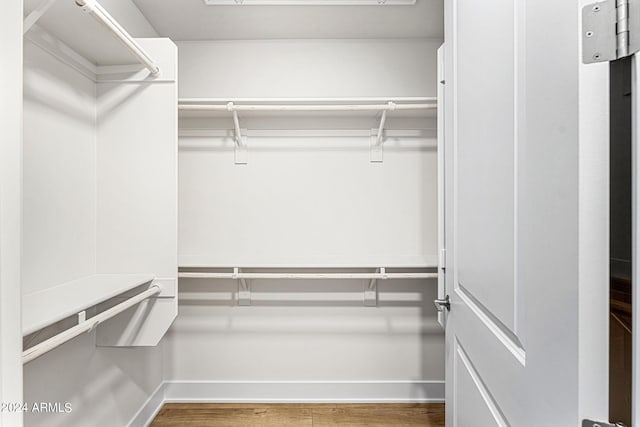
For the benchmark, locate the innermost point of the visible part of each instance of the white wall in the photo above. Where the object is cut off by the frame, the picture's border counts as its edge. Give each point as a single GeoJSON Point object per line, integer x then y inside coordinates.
{"type": "Point", "coordinates": [307, 68]}
{"type": "Point", "coordinates": [105, 387]}
{"type": "Point", "coordinates": [10, 220]}
{"type": "Point", "coordinates": [59, 175]}
{"type": "Point", "coordinates": [306, 198]}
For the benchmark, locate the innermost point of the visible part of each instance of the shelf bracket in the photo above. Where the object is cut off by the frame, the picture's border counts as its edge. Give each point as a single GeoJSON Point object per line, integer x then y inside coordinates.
{"type": "Point", "coordinates": [371, 292]}
{"type": "Point", "coordinates": [376, 150]}
{"type": "Point", "coordinates": [240, 137]}
{"type": "Point", "coordinates": [377, 136]}
{"type": "Point", "coordinates": [36, 14]}
{"type": "Point", "coordinates": [82, 318]}
{"type": "Point", "coordinates": [244, 289]}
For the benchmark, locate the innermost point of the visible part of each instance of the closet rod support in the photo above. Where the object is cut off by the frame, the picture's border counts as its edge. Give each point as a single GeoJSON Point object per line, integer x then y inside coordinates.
{"type": "Point", "coordinates": [244, 288]}
{"type": "Point", "coordinates": [236, 122]}
{"type": "Point", "coordinates": [377, 136]}
{"type": "Point", "coordinates": [371, 292]}
{"type": "Point", "coordinates": [383, 120]}
{"type": "Point", "coordinates": [240, 137]}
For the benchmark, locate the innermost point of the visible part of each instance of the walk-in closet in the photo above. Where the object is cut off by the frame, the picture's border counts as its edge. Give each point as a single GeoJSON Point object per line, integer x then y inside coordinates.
{"type": "Point", "coordinates": [352, 208]}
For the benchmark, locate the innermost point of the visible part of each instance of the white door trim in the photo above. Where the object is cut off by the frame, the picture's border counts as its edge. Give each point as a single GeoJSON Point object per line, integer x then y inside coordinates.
{"type": "Point", "coordinates": [10, 212]}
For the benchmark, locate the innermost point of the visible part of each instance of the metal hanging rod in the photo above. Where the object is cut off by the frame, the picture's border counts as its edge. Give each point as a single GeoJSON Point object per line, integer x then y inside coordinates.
{"type": "Point", "coordinates": [314, 276]}
{"type": "Point", "coordinates": [350, 105]}
{"type": "Point", "coordinates": [93, 8]}
{"type": "Point", "coordinates": [370, 295]}
{"type": "Point", "coordinates": [232, 107]}
{"type": "Point", "coordinates": [86, 325]}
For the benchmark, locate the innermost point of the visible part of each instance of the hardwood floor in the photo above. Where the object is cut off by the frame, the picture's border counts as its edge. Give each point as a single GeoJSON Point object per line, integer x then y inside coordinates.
{"type": "Point", "coordinates": [299, 415]}
{"type": "Point", "coordinates": [620, 350]}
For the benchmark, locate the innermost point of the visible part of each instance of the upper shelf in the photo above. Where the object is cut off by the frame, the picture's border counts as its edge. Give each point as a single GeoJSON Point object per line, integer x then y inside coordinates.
{"type": "Point", "coordinates": [43, 308]}
{"type": "Point", "coordinates": [88, 29]}
{"type": "Point", "coordinates": [260, 107]}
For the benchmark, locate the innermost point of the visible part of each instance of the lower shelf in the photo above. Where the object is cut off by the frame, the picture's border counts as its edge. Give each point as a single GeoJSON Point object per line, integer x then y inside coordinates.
{"type": "Point", "coordinates": [43, 308]}
{"type": "Point", "coordinates": [370, 296]}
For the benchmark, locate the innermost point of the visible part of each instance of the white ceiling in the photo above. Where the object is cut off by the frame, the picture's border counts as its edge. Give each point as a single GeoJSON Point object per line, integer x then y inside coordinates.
{"type": "Point", "coordinates": [193, 20]}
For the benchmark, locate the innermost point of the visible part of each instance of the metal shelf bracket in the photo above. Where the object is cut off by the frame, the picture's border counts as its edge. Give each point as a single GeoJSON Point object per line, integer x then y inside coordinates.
{"type": "Point", "coordinates": [240, 137]}
{"type": "Point", "coordinates": [244, 288]}
{"type": "Point", "coordinates": [377, 136]}
{"type": "Point", "coordinates": [371, 291]}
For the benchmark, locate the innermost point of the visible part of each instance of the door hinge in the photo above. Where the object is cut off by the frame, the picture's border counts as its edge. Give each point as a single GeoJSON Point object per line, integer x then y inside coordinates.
{"type": "Point", "coordinates": [589, 423]}
{"type": "Point", "coordinates": [609, 30]}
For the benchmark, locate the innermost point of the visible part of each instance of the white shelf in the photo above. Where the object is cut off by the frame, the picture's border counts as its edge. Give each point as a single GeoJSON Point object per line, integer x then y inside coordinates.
{"type": "Point", "coordinates": [302, 101]}
{"type": "Point", "coordinates": [307, 101]}
{"type": "Point", "coordinates": [205, 262]}
{"type": "Point", "coordinates": [43, 308]}
{"type": "Point", "coordinates": [75, 28]}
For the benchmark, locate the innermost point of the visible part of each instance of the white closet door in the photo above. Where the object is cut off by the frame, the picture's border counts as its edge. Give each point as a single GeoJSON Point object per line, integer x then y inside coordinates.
{"type": "Point", "coordinates": [527, 274]}
{"type": "Point", "coordinates": [10, 211]}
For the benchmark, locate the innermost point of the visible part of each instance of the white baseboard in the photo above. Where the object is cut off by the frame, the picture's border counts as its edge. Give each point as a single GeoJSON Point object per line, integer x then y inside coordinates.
{"type": "Point", "coordinates": [305, 391]}
{"type": "Point", "coordinates": [150, 409]}
{"type": "Point", "coordinates": [289, 392]}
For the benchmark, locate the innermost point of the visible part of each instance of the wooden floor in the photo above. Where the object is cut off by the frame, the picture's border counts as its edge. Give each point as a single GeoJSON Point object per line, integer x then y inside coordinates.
{"type": "Point", "coordinates": [299, 415]}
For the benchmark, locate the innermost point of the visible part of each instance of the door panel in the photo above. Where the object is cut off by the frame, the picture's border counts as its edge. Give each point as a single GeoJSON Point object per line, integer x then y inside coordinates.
{"type": "Point", "coordinates": [485, 160]}
{"type": "Point", "coordinates": [472, 394]}
{"type": "Point", "coordinates": [526, 216]}
{"type": "Point", "coordinates": [485, 182]}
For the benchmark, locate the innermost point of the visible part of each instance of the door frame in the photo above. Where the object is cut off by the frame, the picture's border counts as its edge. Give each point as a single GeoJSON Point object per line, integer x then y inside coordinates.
{"type": "Point", "coordinates": [635, 239]}
{"type": "Point", "coordinates": [11, 212]}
